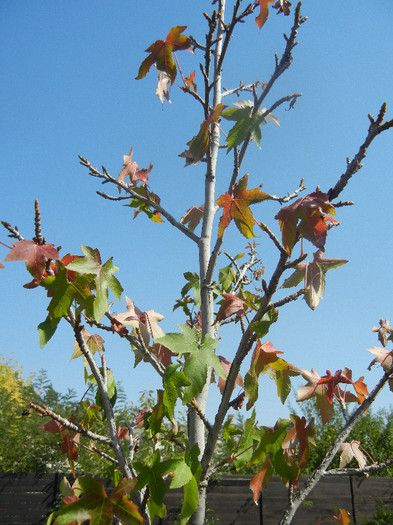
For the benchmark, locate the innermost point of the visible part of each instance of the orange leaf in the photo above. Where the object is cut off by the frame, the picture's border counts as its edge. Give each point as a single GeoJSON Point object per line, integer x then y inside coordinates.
{"type": "Point", "coordinates": [260, 479]}
{"type": "Point", "coordinates": [263, 12]}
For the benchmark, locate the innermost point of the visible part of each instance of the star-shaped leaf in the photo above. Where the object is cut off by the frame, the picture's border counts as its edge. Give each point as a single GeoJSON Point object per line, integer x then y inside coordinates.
{"type": "Point", "coordinates": [312, 212]}
{"type": "Point", "coordinates": [351, 451]}
{"type": "Point", "coordinates": [201, 356]}
{"type": "Point", "coordinates": [247, 122]}
{"type": "Point", "coordinates": [198, 145]}
{"type": "Point", "coordinates": [34, 255]}
{"type": "Point", "coordinates": [131, 169]}
{"type": "Point", "coordinates": [161, 53]}
{"type": "Point", "coordinates": [146, 322]}
{"type": "Point", "coordinates": [95, 505]}
{"type": "Point", "coordinates": [314, 275]}
{"type": "Point", "coordinates": [193, 217]}
{"type": "Point", "coordinates": [237, 207]}
{"type": "Point", "coordinates": [104, 278]}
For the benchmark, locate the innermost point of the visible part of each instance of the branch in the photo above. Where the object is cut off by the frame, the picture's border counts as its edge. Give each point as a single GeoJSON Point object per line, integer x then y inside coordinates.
{"type": "Point", "coordinates": [359, 471]}
{"type": "Point", "coordinates": [242, 87]}
{"type": "Point", "coordinates": [267, 230]}
{"type": "Point", "coordinates": [104, 395]}
{"type": "Point", "coordinates": [108, 178]}
{"type": "Point", "coordinates": [244, 348]}
{"type": "Point", "coordinates": [290, 196]}
{"type": "Point", "coordinates": [14, 232]}
{"type": "Point", "coordinates": [45, 411]}
{"type": "Point", "coordinates": [376, 127]}
{"type": "Point", "coordinates": [140, 346]}
{"type": "Point", "coordinates": [289, 299]}
{"type": "Point", "coordinates": [322, 469]}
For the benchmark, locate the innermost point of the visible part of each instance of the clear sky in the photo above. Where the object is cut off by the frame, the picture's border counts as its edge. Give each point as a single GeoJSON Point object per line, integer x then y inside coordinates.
{"type": "Point", "coordinates": [68, 87]}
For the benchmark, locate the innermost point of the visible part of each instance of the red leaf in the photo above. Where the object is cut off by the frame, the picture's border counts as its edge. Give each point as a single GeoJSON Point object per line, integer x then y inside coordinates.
{"type": "Point", "coordinates": [193, 217]}
{"type": "Point", "coordinates": [237, 207]}
{"type": "Point", "coordinates": [311, 211]}
{"type": "Point", "coordinates": [260, 479]}
{"type": "Point", "coordinates": [232, 305]}
{"type": "Point", "coordinates": [123, 433]}
{"type": "Point", "coordinates": [52, 426]}
{"type": "Point", "coordinates": [332, 382]}
{"type": "Point", "coordinates": [163, 353]}
{"type": "Point", "coordinates": [199, 144]}
{"type": "Point", "coordinates": [226, 365]}
{"type": "Point", "coordinates": [161, 53]}
{"type": "Point", "coordinates": [131, 168]}
{"type": "Point", "coordinates": [68, 447]}
{"type": "Point", "coordinates": [300, 435]}
{"type": "Point", "coordinates": [34, 255]}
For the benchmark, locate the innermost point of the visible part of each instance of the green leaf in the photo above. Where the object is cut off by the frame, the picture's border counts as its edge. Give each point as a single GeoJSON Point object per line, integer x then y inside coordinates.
{"type": "Point", "coordinates": [111, 387]}
{"type": "Point", "coordinates": [261, 328]}
{"type": "Point", "coordinates": [46, 329]}
{"type": "Point", "coordinates": [158, 413]}
{"type": "Point", "coordinates": [192, 284]}
{"type": "Point", "coordinates": [174, 381]}
{"type": "Point", "coordinates": [104, 278]}
{"type": "Point", "coordinates": [152, 477]}
{"type": "Point", "coordinates": [201, 357]}
{"type": "Point", "coordinates": [246, 123]}
{"type": "Point", "coordinates": [65, 292]}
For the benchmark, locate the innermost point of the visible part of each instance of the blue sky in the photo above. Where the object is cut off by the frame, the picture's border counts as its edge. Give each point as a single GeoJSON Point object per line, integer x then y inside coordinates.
{"type": "Point", "coordinates": [69, 88]}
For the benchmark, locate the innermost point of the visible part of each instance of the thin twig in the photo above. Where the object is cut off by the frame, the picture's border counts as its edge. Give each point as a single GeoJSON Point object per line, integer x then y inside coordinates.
{"type": "Point", "coordinates": [45, 411]}
{"type": "Point", "coordinates": [94, 172]}
{"type": "Point", "coordinates": [376, 127]}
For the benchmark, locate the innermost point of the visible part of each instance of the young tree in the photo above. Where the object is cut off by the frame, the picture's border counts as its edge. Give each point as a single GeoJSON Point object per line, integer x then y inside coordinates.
{"type": "Point", "coordinates": [78, 288]}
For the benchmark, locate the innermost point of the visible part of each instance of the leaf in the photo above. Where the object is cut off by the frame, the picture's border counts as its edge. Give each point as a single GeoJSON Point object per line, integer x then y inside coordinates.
{"type": "Point", "coordinates": [314, 277]}
{"type": "Point", "coordinates": [265, 359]}
{"type": "Point", "coordinates": [263, 12]}
{"type": "Point", "coordinates": [236, 207]}
{"type": "Point", "coordinates": [247, 123]}
{"type": "Point", "coordinates": [201, 356]}
{"type": "Point", "coordinates": [261, 478]}
{"type": "Point", "coordinates": [351, 451]}
{"type": "Point", "coordinates": [193, 284]}
{"type": "Point", "coordinates": [95, 505]}
{"type": "Point", "coordinates": [91, 264]}
{"type": "Point", "coordinates": [193, 217]}
{"type": "Point", "coordinates": [111, 388]}
{"type": "Point", "coordinates": [145, 322]}
{"type": "Point", "coordinates": [232, 305]}
{"type": "Point", "coordinates": [343, 517]}
{"type": "Point", "coordinates": [384, 357]}
{"type": "Point", "coordinates": [299, 435]}
{"type": "Point", "coordinates": [384, 331]}
{"type": "Point", "coordinates": [152, 477]}
{"type": "Point", "coordinates": [64, 290]}
{"type": "Point", "coordinates": [162, 89]}
{"type": "Point", "coordinates": [199, 144]}
{"type": "Point", "coordinates": [94, 342]}
{"type": "Point", "coordinates": [226, 365]}
{"type": "Point", "coordinates": [283, 6]}
{"type": "Point", "coordinates": [34, 255]}
{"type": "Point", "coordinates": [132, 169]}
{"type": "Point", "coordinates": [174, 381]}
{"type": "Point", "coordinates": [314, 388]}
{"type": "Point", "coordinates": [161, 53]}
{"type": "Point", "coordinates": [143, 207]}
{"type": "Point", "coordinates": [312, 212]}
